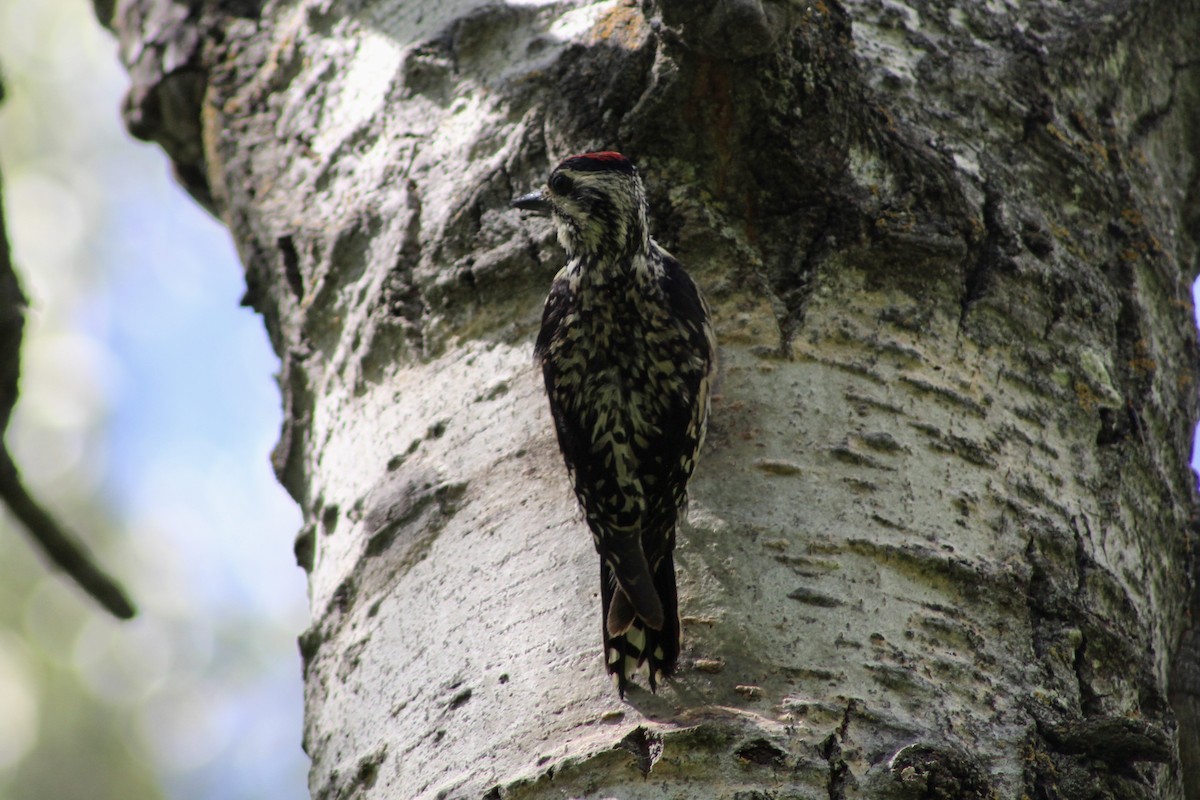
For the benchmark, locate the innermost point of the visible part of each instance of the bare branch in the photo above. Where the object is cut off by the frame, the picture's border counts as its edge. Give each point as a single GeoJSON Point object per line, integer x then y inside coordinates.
{"type": "Point", "coordinates": [61, 548]}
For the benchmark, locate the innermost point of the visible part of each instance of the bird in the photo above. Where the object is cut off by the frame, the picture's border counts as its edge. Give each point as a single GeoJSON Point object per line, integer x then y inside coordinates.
{"type": "Point", "coordinates": [628, 354]}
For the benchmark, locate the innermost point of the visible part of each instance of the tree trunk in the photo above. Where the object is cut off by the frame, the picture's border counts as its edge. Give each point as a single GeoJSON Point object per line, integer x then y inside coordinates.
{"type": "Point", "coordinates": [942, 537]}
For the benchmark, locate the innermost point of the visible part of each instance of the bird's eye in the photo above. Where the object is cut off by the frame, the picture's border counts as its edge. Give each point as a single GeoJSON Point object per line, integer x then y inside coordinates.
{"type": "Point", "coordinates": [561, 184]}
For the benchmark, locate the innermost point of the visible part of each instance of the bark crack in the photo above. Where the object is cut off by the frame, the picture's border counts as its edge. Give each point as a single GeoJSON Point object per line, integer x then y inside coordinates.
{"type": "Point", "coordinates": [1147, 122]}
{"type": "Point", "coordinates": [995, 253]}
{"type": "Point", "coordinates": [831, 751]}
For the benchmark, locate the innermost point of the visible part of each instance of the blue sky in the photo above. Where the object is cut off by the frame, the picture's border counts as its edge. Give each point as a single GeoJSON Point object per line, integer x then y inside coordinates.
{"type": "Point", "coordinates": [147, 388]}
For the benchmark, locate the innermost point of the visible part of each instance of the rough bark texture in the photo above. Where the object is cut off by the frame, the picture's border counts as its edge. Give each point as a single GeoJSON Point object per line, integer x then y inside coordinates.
{"type": "Point", "coordinates": [942, 538]}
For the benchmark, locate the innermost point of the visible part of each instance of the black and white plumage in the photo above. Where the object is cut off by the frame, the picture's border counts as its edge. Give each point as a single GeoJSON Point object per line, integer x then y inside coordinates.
{"type": "Point", "coordinates": [628, 354]}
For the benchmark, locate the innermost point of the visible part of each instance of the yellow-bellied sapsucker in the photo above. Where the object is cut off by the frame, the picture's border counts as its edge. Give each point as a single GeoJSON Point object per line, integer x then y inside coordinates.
{"type": "Point", "coordinates": [628, 353]}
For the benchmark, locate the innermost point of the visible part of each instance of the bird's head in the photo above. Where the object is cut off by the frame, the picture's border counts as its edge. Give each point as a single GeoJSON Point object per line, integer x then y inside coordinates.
{"type": "Point", "coordinates": [598, 205]}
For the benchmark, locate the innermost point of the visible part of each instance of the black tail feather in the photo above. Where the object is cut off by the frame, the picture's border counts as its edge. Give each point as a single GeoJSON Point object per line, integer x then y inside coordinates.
{"type": "Point", "coordinates": [639, 643]}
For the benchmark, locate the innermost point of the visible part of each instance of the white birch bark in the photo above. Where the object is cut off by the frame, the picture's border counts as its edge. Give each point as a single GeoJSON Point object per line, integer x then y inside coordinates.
{"type": "Point", "coordinates": [941, 537]}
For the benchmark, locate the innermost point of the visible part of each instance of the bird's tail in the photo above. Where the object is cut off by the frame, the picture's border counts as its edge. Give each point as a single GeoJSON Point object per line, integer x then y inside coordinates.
{"type": "Point", "coordinates": [629, 641]}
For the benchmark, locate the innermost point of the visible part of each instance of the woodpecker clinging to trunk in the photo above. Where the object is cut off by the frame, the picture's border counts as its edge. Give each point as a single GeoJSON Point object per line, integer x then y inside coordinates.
{"type": "Point", "coordinates": [628, 354]}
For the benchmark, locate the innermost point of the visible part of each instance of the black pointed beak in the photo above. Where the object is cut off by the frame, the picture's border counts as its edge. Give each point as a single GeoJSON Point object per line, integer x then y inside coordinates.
{"type": "Point", "coordinates": [534, 201]}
